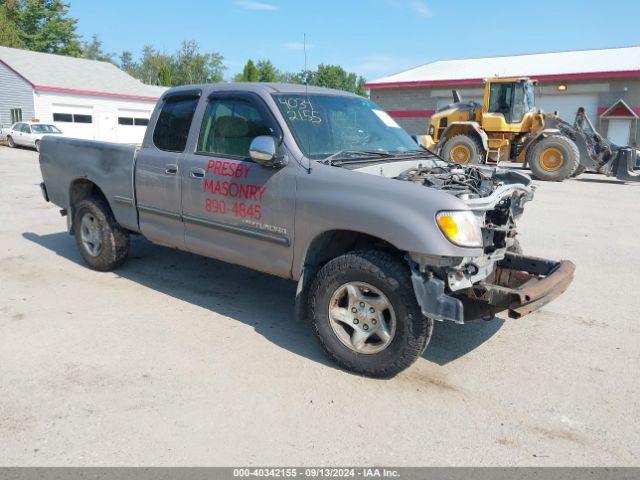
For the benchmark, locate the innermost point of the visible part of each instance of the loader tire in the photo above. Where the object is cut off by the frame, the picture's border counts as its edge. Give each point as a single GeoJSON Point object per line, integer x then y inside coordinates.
{"type": "Point", "coordinates": [463, 149]}
{"type": "Point", "coordinates": [553, 158]}
{"type": "Point", "coordinates": [579, 171]}
{"type": "Point", "coordinates": [364, 312]}
{"type": "Point", "coordinates": [103, 244]}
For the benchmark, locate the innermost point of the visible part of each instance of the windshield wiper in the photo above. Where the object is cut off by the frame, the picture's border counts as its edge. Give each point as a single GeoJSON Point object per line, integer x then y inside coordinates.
{"type": "Point", "coordinates": [343, 155]}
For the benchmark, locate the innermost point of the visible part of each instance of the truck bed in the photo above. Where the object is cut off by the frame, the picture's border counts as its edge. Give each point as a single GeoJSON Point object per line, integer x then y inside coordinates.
{"type": "Point", "coordinates": [64, 161]}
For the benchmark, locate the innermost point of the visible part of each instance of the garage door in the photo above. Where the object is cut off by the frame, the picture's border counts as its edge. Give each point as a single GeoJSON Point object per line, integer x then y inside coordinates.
{"type": "Point", "coordinates": [567, 105]}
{"type": "Point", "coordinates": [74, 120]}
{"type": "Point", "coordinates": [132, 124]}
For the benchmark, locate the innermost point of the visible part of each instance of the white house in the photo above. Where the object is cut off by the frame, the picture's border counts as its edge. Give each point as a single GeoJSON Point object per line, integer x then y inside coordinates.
{"type": "Point", "coordinates": [84, 98]}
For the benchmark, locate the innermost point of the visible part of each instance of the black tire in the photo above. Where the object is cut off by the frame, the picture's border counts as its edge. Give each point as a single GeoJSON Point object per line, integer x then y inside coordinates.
{"type": "Point", "coordinates": [114, 247]}
{"type": "Point", "coordinates": [37, 145]}
{"type": "Point", "coordinates": [579, 170]}
{"type": "Point", "coordinates": [569, 162]}
{"type": "Point", "coordinates": [391, 276]}
{"type": "Point", "coordinates": [472, 143]}
{"type": "Point", "coordinates": [10, 142]}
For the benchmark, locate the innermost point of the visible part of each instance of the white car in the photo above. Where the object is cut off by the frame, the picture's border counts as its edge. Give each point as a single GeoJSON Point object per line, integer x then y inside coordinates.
{"type": "Point", "coordinates": [29, 134]}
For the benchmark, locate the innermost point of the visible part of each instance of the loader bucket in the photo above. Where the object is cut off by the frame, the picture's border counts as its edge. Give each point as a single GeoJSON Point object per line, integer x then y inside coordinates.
{"type": "Point", "coordinates": [623, 166]}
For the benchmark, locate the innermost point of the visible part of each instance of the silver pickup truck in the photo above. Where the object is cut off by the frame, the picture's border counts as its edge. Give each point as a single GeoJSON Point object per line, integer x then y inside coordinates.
{"type": "Point", "coordinates": [321, 187]}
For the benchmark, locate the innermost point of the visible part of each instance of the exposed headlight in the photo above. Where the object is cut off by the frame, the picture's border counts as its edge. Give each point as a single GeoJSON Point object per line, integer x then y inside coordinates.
{"type": "Point", "coordinates": [461, 228]}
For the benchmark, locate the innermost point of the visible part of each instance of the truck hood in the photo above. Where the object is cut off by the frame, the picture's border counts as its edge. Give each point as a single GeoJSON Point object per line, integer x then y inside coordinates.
{"type": "Point", "coordinates": [480, 187]}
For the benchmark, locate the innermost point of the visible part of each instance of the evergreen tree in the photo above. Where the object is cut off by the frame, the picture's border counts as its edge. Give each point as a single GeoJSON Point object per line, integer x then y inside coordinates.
{"type": "Point", "coordinates": [41, 25]}
{"type": "Point", "coordinates": [249, 73]}
{"type": "Point", "coordinates": [267, 72]}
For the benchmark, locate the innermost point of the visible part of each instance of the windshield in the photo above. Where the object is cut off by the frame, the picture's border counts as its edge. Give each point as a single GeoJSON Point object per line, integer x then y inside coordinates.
{"type": "Point", "coordinates": [41, 128]}
{"type": "Point", "coordinates": [325, 125]}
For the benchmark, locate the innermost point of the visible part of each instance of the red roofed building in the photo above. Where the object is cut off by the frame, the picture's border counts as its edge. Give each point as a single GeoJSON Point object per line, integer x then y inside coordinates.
{"type": "Point", "coordinates": [605, 82]}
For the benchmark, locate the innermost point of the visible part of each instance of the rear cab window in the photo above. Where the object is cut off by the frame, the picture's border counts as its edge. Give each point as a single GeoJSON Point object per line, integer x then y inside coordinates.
{"type": "Point", "coordinates": [172, 128]}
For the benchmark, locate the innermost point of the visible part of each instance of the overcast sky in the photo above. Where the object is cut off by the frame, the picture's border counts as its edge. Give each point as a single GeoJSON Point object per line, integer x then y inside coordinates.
{"type": "Point", "coordinates": [371, 37]}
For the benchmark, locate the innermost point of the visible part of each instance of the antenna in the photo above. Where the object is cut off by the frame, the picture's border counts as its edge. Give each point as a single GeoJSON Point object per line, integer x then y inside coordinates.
{"type": "Point", "coordinates": [306, 92]}
{"type": "Point", "coordinates": [304, 47]}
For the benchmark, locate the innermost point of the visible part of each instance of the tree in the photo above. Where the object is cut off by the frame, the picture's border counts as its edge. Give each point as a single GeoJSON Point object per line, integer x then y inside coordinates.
{"type": "Point", "coordinates": [334, 76]}
{"type": "Point", "coordinates": [290, 77]}
{"type": "Point", "coordinates": [249, 73]}
{"type": "Point", "coordinates": [189, 66]}
{"type": "Point", "coordinates": [165, 74]}
{"type": "Point", "coordinates": [128, 64]}
{"type": "Point", "coordinates": [9, 35]}
{"type": "Point", "coordinates": [93, 51]}
{"type": "Point", "coordinates": [331, 76]}
{"type": "Point", "coordinates": [267, 72]}
{"type": "Point", "coordinates": [43, 25]}
{"type": "Point", "coordinates": [153, 62]}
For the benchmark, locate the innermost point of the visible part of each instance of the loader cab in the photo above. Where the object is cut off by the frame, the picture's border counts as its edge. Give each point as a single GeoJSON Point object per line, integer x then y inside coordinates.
{"type": "Point", "coordinates": [507, 101]}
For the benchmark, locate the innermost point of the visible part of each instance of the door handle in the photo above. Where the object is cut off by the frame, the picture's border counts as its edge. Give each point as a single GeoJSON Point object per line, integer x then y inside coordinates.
{"type": "Point", "coordinates": [197, 173]}
{"type": "Point", "coordinates": [171, 170]}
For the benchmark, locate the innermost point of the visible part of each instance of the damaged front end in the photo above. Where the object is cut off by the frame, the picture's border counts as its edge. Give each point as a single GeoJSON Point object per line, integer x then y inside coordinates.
{"type": "Point", "coordinates": [461, 289]}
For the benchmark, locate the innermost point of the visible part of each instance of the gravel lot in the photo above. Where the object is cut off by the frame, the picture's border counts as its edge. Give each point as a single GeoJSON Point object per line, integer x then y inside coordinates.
{"type": "Point", "coordinates": [179, 360]}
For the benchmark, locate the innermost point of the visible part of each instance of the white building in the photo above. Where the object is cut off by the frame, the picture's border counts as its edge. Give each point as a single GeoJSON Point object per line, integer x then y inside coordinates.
{"type": "Point", "coordinates": [84, 98]}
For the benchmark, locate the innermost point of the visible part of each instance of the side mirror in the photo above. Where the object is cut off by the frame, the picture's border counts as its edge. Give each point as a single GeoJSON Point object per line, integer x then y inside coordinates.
{"type": "Point", "coordinates": [263, 151]}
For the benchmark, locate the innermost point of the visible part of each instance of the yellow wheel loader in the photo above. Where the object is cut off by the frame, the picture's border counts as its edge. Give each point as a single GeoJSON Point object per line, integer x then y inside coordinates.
{"type": "Point", "coordinates": [508, 126]}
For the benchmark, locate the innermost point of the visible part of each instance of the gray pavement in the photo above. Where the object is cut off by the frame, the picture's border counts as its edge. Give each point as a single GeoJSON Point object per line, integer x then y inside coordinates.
{"type": "Point", "coordinates": [180, 360]}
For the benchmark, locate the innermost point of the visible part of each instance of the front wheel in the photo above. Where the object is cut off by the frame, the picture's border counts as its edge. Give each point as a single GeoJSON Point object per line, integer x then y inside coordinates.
{"type": "Point", "coordinates": [553, 158]}
{"type": "Point", "coordinates": [365, 314]}
{"type": "Point", "coordinates": [11, 142]}
{"type": "Point", "coordinates": [37, 145]}
{"type": "Point", "coordinates": [463, 149]}
{"type": "Point", "coordinates": [103, 244]}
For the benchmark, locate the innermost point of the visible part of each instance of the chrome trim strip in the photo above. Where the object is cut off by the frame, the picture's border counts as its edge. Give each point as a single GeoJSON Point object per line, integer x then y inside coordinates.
{"type": "Point", "coordinates": [159, 211]}
{"type": "Point", "coordinates": [124, 200]}
{"type": "Point", "coordinates": [239, 229]}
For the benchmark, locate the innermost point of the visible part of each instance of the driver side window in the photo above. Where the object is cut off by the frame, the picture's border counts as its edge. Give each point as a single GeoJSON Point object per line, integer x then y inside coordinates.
{"type": "Point", "coordinates": [229, 126]}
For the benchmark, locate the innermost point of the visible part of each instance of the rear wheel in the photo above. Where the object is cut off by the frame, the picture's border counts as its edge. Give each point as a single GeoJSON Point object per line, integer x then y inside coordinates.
{"type": "Point", "coordinates": [463, 149]}
{"type": "Point", "coordinates": [364, 313]}
{"type": "Point", "coordinates": [10, 141]}
{"type": "Point", "coordinates": [103, 244]}
{"type": "Point", "coordinates": [553, 158]}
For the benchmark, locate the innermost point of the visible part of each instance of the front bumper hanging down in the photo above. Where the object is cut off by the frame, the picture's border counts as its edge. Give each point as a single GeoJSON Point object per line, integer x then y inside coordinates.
{"type": "Point", "coordinates": [519, 284]}
{"type": "Point", "coordinates": [523, 284]}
